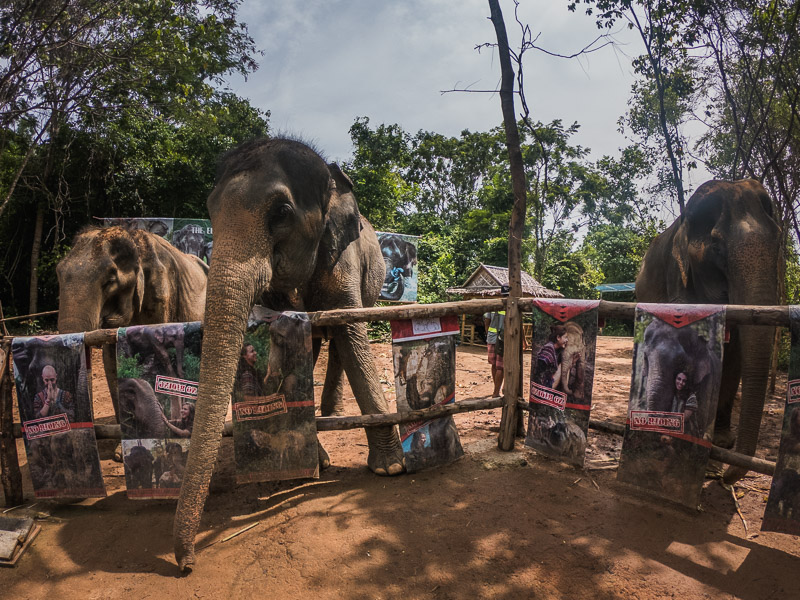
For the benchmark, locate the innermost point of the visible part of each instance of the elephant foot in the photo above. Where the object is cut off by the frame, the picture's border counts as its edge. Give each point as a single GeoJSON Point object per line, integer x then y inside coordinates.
{"type": "Point", "coordinates": [324, 459]}
{"type": "Point", "coordinates": [336, 411]}
{"type": "Point", "coordinates": [724, 438]}
{"type": "Point", "coordinates": [734, 474]}
{"type": "Point", "coordinates": [385, 451]}
{"type": "Point", "coordinates": [117, 454]}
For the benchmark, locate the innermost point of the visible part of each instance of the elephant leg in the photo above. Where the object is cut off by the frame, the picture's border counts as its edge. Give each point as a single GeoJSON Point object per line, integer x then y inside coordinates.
{"type": "Point", "coordinates": [332, 403]}
{"type": "Point", "coordinates": [352, 346]}
{"type": "Point", "coordinates": [731, 374]}
{"type": "Point", "coordinates": [110, 368]}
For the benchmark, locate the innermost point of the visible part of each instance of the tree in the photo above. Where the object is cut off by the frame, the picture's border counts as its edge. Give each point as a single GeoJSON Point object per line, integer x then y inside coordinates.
{"type": "Point", "coordinates": [68, 66]}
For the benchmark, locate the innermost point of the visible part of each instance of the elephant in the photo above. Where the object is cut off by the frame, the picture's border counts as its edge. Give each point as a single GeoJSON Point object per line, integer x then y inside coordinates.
{"type": "Point", "coordinates": [152, 345]}
{"type": "Point", "coordinates": [141, 415]}
{"type": "Point", "coordinates": [288, 234]}
{"type": "Point", "coordinates": [724, 249]}
{"type": "Point", "coordinates": [668, 351]}
{"type": "Point", "coordinates": [114, 277]}
{"type": "Point", "coordinates": [189, 239]}
{"type": "Point", "coordinates": [139, 472]}
{"type": "Point", "coordinates": [573, 363]}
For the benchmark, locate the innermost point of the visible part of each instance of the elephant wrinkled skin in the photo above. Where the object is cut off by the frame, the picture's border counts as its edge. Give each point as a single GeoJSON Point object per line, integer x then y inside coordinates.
{"type": "Point", "coordinates": [724, 249]}
{"type": "Point", "coordinates": [288, 234]}
{"type": "Point", "coordinates": [115, 277]}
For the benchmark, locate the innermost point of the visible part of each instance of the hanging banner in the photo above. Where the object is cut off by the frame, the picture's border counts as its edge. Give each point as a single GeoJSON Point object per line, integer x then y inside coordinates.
{"type": "Point", "coordinates": [55, 408]}
{"type": "Point", "coordinates": [192, 236]}
{"type": "Point", "coordinates": [782, 513]}
{"type": "Point", "coordinates": [274, 427]}
{"type": "Point", "coordinates": [158, 367]}
{"type": "Point", "coordinates": [424, 354]}
{"type": "Point", "coordinates": [677, 364]}
{"type": "Point", "coordinates": [400, 255]}
{"type": "Point", "coordinates": [562, 377]}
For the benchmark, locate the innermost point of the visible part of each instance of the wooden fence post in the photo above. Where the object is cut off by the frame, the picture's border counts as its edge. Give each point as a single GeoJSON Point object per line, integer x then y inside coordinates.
{"type": "Point", "coordinates": [9, 461]}
{"type": "Point", "coordinates": [513, 375]}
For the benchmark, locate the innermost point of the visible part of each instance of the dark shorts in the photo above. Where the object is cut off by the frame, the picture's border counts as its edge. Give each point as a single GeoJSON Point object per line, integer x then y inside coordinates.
{"type": "Point", "coordinates": [494, 359]}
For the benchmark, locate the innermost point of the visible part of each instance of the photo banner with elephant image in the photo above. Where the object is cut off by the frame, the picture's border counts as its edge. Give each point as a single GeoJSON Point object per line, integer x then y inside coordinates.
{"type": "Point", "coordinates": [55, 406]}
{"type": "Point", "coordinates": [675, 381]}
{"type": "Point", "coordinates": [274, 427]}
{"type": "Point", "coordinates": [158, 367]}
{"type": "Point", "coordinates": [782, 513]}
{"type": "Point", "coordinates": [400, 255]}
{"type": "Point", "coordinates": [424, 356]}
{"type": "Point", "coordinates": [191, 236]}
{"type": "Point", "coordinates": [562, 377]}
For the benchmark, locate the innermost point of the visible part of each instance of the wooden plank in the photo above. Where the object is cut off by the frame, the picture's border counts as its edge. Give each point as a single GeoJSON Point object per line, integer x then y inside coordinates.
{"type": "Point", "coordinates": [11, 477]}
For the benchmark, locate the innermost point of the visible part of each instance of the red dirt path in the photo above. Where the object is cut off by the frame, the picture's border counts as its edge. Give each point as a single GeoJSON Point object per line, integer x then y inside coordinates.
{"type": "Point", "coordinates": [492, 525]}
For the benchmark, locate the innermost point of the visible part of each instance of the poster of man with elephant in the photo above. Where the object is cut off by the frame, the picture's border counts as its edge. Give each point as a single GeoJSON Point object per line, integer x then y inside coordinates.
{"type": "Point", "coordinates": [190, 236]}
{"type": "Point", "coordinates": [423, 352]}
{"type": "Point", "coordinates": [274, 427]}
{"type": "Point", "coordinates": [677, 366]}
{"type": "Point", "coordinates": [400, 255]}
{"type": "Point", "coordinates": [562, 377]}
{"type": "Point", "coordinates": [55, 407]}
{"type": "Point", "coordinates": [157, 372]}
{"type": "Point", "coordinates": [782, 513]}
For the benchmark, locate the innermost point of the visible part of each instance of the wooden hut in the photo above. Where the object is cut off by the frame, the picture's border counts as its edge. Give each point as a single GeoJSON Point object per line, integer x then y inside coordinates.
{"type": "Point", "coordinates": [487, 281]}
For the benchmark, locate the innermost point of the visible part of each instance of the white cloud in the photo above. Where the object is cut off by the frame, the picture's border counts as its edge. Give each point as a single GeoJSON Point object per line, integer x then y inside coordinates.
{"type": "Point", "coordinates": [328, 62]}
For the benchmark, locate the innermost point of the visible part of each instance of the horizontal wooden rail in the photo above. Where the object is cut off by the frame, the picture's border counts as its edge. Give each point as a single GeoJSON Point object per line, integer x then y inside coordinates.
{"type": "Point", "coordinates": [739, 314]}
{"type": "Point", "coordinates": [469, 405]}
{"type": "Point", "coordinates": [32, 316]}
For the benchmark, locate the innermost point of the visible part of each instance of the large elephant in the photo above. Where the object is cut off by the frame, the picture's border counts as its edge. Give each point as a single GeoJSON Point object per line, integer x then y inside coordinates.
{"type": "Point", "coordinates": [287, 232]}
{"type": "Point", "coordinates": [724, 249]}
{"type": "Point", "coordinates": [116, 277]}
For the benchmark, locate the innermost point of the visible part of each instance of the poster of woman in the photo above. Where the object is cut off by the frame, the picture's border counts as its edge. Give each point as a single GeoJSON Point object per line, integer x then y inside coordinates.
{"type": "Point", "coordinates": [677, 365]}
{"type": "Point", "coordinates": [562, 377]}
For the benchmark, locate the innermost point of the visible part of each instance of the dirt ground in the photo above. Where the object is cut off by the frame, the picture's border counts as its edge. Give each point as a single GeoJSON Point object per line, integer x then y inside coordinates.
{"type": "Point", "coordinates": [491, 525]}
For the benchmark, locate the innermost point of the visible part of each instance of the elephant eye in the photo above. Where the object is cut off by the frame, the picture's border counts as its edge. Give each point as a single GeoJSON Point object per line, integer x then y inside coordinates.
{"type": "Point", "coordinates": [280, 215]}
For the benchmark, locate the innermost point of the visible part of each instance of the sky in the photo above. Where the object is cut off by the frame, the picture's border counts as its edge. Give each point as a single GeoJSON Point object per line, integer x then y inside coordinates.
{"type": "Point", "coordinates": [327, 62]}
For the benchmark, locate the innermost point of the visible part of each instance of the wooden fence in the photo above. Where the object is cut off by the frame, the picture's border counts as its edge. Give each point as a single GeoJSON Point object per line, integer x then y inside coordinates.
{"type": "Point", "coordinates": [754, 315]}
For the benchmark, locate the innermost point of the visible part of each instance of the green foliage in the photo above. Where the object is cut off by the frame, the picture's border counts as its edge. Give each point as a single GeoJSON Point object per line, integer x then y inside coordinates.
{"type": "Point", "coordinates": [191, 367]}
{"type": "Point", "coordinates": [128, 367]}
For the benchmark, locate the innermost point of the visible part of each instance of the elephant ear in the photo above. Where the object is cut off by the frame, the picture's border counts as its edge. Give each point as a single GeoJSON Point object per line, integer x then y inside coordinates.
{"type": "Point", "coordinates": [342, 218]}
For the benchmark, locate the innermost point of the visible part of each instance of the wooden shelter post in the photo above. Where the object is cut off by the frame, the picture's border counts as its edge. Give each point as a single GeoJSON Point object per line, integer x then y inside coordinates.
{"type": "Point", "coordinates": [513, 321]}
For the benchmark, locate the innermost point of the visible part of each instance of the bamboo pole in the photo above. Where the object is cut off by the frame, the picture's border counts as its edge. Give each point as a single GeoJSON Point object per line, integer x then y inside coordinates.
{"type": "Point", "coordinates": [9, 460]}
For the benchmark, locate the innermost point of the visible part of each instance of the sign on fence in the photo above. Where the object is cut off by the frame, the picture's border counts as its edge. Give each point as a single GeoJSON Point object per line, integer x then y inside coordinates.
{"type": "Point", "coordinates": [562, 377]}
{"type": "Point", "coordinates": [274, 428]}
{"type": "Point", "coordinates": [782, 513]}
{"type": "Point", "coordinates": [677, 364]}
{"type": "Point", "coordinates": [158, 367]}
{"type": "Point", "coordinates": [55, 406]}
{"type": "Point", "coordinates": [424, 355]}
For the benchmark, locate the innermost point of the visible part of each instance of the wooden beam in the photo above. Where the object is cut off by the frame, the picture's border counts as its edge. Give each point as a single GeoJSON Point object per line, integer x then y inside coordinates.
{"type": "Point", "coordinates": [10, 476]}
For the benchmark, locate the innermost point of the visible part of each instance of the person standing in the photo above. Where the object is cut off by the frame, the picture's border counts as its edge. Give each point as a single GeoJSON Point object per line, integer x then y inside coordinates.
{"type": "Point", "coordinates": [494, 323]}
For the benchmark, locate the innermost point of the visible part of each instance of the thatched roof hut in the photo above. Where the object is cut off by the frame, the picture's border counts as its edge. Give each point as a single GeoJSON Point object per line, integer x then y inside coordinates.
{"type": "Point", "coordinates": [486, 281]}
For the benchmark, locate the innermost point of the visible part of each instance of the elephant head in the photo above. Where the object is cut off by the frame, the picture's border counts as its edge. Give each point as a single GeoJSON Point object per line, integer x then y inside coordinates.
{"type": "Point", "coordinates": [288, 233]}
{"type": "Point", "coordinates": [140, 412]}
{"type": "Point", "coordinates": [724, 249]}
{"type": "Point", "coordinates": [573, 362]}
{"type": "Point", "coordinates": [115, 277]}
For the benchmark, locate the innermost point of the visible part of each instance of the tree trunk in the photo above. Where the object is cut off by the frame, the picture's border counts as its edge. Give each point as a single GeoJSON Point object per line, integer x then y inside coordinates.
{"type": "Point", "coordinates": [513, 324]}
{"type": "Point", "coordinates": [36, 250]}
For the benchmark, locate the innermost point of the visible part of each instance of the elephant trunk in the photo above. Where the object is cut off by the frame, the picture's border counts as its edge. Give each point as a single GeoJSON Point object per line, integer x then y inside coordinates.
{"type": "Point", "coordinates": [231, 291]}
{"type": "Point", "coordinates": [754, 286]}
{"type": "Point", "coordinates": [659, 388]}
{"type": "Point", "coordinates": [78, 313]}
